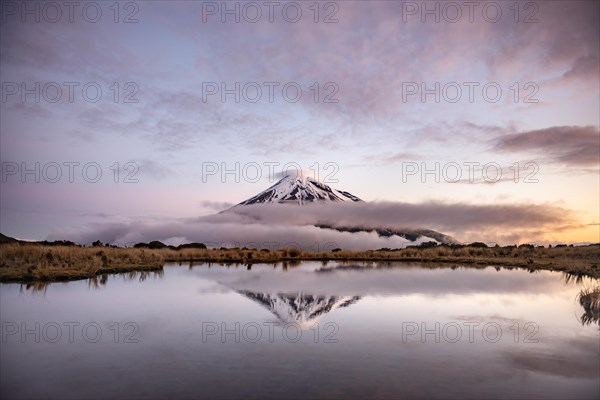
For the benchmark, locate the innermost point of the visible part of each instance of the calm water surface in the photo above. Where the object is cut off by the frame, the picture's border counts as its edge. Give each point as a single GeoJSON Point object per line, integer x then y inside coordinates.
{"type": "Point", "coordinates": [301, 331]}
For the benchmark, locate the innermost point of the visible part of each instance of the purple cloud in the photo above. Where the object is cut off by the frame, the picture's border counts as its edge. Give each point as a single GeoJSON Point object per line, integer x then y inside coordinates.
{"type": "Point", "coordinates": [569, 145]}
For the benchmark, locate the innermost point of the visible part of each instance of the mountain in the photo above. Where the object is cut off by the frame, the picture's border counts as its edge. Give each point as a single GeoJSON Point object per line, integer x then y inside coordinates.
{"type": "Point", "coordinates": [412, 235]}
{"type": "Point", "coordinates": [299, 188]}
{"type": "Point", "coordinates": [7, 239]}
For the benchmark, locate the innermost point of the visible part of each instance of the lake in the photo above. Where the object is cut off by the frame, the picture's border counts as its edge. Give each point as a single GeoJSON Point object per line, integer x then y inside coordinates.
{"type": "Point", "coordinates": [303, 330]}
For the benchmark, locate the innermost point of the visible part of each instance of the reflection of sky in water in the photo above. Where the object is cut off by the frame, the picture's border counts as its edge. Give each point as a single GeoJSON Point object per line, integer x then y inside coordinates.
{"type": "Point", "coordinates": [371, 359]}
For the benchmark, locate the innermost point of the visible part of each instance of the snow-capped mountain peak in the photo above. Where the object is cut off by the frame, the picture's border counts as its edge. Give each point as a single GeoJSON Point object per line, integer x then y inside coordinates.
{"type": "Point", "coordinates": [299, 187]}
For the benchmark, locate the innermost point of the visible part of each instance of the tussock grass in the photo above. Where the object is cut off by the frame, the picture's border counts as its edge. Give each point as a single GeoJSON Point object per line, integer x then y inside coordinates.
{"type": "Point", "coordinates": [34, 262]}
{"type": "Point", "coordinates": [590, 301]}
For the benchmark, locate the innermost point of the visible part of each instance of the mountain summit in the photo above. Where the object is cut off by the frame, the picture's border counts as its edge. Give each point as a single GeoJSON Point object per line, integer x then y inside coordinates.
{"type": "Point", "coordinates": [297, 187]}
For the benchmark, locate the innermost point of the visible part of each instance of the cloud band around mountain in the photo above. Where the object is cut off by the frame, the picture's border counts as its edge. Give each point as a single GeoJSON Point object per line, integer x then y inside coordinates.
{"type": "Point", "coordinates": [280, 225]}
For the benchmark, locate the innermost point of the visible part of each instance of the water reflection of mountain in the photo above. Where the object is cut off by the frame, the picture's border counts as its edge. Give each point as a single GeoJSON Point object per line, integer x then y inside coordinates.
{"type": "Point", "coordinates": [299, 307]}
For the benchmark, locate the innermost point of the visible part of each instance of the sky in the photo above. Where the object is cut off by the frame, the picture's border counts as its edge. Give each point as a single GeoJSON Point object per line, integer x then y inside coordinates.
{"type": "Point", "coordinates": [139, 120]}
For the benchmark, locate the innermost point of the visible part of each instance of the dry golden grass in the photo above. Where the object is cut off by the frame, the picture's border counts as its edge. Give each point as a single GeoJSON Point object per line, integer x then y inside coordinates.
{"type": "Point", "coordinates": [34, 262]}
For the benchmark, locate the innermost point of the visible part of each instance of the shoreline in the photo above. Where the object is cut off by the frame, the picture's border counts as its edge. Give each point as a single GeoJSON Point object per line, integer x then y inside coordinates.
{"type": "Point", "coordinates": [46, 263]}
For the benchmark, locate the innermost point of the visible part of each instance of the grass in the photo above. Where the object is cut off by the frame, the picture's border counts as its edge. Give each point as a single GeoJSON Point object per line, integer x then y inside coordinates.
{"type": "Point", "coordinates": [27, 262]}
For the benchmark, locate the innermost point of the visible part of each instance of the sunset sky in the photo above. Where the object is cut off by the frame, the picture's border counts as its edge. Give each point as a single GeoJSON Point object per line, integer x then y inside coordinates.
{"type": "Point", "coordinates": [380, 63]}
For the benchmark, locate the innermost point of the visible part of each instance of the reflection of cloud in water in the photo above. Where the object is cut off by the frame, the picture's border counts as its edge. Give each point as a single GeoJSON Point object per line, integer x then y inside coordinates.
{"type": "Point", "coordinates": [569, 358]}
{"type": "Point", "coordinates": [480, 318]}
{"type": "Point", "coordinates": [355, 280]}
{"type": "Point", "coordinates": [301, 308]}
{"type": "Point", "coordinates": [217, 289]}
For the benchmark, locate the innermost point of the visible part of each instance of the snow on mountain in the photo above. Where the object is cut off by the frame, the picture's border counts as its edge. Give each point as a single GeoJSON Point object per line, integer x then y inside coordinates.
{"type": "Point", "coordinates": [301, 308]}
{"type": "Point", "coordinates": [298, 188]}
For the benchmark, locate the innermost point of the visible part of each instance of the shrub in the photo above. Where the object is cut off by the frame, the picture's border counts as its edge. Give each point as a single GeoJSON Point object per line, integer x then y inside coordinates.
{"type": "Point", "coordinates": [293, 252]}
{"type": "Point", "coordinates": [155, 244]}
{"type": "Point", "coordinates": [478, 244]}
{"type": "Point", "coordinates": [192, 246]}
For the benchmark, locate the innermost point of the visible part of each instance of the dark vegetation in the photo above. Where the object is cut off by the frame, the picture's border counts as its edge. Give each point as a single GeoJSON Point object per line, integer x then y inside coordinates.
{"type": "Point", "coordinates": [62, 260]}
